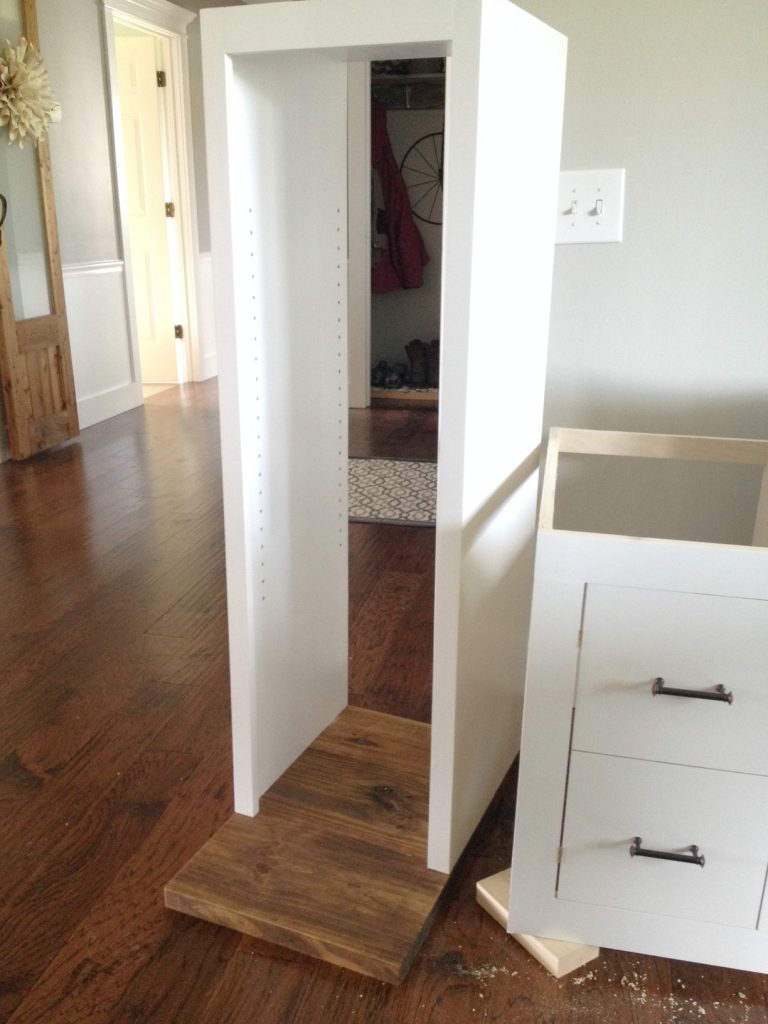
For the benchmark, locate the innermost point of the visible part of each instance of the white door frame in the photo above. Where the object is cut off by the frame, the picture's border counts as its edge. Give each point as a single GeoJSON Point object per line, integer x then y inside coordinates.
{"type": "Point", "coordinates": [160, 18]}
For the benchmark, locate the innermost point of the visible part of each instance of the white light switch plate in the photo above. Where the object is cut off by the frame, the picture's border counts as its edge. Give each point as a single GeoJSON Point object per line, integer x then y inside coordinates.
{"type": "Point", "coordinates": [590, 206]}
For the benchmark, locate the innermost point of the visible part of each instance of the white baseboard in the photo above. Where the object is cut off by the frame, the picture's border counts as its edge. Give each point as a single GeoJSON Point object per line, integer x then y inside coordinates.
{"type": "Point", "coordinates": [111, 402]}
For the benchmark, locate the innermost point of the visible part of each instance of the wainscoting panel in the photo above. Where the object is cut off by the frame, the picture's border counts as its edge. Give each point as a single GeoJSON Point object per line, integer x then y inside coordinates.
{"type": "Point", "coordinates": [106, 379]}
{"type": "Point", "coordinates": [206, 317]}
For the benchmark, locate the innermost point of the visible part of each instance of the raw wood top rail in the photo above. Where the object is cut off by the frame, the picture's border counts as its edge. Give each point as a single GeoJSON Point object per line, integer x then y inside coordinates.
{"type": "Point", "coordinates": [564, 440]}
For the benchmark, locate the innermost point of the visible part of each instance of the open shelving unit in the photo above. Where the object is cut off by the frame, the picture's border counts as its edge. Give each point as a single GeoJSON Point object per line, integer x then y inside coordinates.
{"type": "Point", "coordinates": [325, 795]}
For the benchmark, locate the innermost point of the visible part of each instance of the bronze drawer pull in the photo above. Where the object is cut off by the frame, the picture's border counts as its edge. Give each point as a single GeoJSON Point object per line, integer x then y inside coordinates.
{"type": "Point", "coordinates": [694, 857]}
{"type": "Point", "coordinates": [658, 686]}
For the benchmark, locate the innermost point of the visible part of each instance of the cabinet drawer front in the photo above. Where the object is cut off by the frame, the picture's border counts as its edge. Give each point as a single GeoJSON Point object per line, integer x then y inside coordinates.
{"type": "Point", "coordinates": [613, 800]}
{"type": "Point", "coordinates": [694, 642]}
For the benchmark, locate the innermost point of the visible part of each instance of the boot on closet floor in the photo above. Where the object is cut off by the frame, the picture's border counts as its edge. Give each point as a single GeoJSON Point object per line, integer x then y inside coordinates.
{"type": "Point", "coordinates": [417, 356]}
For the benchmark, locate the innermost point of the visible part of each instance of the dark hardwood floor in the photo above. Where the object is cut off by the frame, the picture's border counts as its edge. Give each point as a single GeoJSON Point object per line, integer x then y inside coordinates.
{"type": "Point", "coordinates": [115, 759]}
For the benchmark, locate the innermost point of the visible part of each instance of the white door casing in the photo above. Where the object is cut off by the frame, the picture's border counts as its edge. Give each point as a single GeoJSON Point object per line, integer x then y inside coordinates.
{"type": "Point", "coordinates": [167, 23]}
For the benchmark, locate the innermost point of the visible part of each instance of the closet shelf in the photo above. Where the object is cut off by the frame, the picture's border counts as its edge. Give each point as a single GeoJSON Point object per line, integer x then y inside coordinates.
{"type": "Point", "coordinates": [412, 398]}
{"type": "Point", "coordinates": [424, 91]}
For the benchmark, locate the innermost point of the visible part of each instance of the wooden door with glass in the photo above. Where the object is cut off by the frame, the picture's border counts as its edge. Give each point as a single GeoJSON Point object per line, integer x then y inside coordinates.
{"type": "Point", "coordinates": [35, 357]}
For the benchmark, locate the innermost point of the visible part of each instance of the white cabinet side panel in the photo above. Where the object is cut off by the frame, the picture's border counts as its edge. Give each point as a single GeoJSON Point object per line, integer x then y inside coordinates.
{"type": "Point", "coordinates": [497, 277]}
{"type": "Point", "coordinates": [279, 249]}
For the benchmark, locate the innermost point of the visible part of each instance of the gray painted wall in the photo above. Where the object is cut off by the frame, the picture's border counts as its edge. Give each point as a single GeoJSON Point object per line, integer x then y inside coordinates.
{"type": "Point", "coordinates": [198, 126]}
{"type": "Point", "coordinates": [668, 330]}
{"type": "Point", "coordinates": [70, 43]}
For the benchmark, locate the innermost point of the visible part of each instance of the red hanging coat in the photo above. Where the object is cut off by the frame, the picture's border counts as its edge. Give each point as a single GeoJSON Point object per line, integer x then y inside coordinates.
{"type": "Point", "coordinates": [402, 264]}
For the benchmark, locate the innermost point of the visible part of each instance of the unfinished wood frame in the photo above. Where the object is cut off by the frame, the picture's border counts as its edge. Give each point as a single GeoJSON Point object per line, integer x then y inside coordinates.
{"type": "Point", "coordinates": [558, 957]}
{"type": "Point", "coordinates": [35, 357]}
{"type": "Point", "coordinates": [687, 448]}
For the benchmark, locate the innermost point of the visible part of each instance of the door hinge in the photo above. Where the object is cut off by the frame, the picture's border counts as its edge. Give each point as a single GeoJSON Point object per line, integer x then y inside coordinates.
{"type": "Point", "coordinates": [178, 331]}
{"type": "Point", "coordinates": [161, 80]}
{"type": "Point", "coordinates": [170, 209]}
{"type": "Point", "coordinates": [580, 638]}
{"type": "Point", "coordinates": [560, 855]}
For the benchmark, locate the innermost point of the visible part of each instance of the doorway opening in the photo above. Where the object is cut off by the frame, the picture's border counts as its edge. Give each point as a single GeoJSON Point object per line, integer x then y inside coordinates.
{"type": "Point", "coordinates": [141, 62]}
{"type": "Point", "coordinates": [407, 130]}
{"type": "Point", "coordinates": [393, 442]}
{"type": "Point", "coordinates": [147, 73]}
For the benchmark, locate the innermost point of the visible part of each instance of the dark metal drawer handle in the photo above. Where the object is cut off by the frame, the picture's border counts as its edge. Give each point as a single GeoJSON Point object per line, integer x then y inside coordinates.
{"type": "Point", "coordinates": [658, 686]}
{"type": "Point", "coordinates": [694, 857]}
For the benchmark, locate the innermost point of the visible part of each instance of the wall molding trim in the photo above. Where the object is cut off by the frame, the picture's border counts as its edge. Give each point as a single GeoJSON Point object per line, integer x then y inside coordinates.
{"type": "Point", "coordinates": [94, 267]}
{"type": "Point", "coordinates": [158, 13]}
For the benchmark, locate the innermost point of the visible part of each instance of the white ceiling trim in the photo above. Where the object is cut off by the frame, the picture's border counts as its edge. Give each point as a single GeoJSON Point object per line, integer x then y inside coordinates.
{"type": "Point", "coordinates": [157, 13]}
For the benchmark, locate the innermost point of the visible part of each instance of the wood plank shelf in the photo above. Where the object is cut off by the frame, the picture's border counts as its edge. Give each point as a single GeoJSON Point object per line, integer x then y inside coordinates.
{"type": "Point", "coordinates": [334, 864]}
{"type": "Point", "coordinates": [404, 398]}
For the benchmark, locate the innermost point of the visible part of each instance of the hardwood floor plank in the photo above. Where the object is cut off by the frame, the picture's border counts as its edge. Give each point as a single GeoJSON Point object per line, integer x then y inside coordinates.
{"type": "Point", "coordinates": [393, 433]}
{"type": "Point", "coordinates": [122, 933]}
{"type": "Point", "coordinates": [85, 854]}
{"type": "Point", "coordinates": [375, 628]}
{"type": "Point", "coordinates": [122, 606]}
{"type": "Point", "coordinates": [402, 682]}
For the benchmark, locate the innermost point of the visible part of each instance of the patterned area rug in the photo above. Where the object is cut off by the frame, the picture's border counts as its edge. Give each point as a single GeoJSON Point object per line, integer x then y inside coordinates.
{"type": "Point", "coordinates": [392, 491]}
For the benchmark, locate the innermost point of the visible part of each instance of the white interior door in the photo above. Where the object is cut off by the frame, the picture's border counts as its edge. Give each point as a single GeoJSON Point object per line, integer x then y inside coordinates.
{"type": "Point", "coordinates": [145, 181]}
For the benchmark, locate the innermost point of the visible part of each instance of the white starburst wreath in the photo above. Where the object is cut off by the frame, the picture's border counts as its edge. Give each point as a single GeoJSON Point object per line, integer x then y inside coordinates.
{"type": "Point", "coordinates": [27, 105]}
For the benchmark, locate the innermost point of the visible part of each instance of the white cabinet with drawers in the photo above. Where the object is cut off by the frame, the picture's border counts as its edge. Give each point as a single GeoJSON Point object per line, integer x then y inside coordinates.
{"type": "Point", "coordinates": [642, 812]}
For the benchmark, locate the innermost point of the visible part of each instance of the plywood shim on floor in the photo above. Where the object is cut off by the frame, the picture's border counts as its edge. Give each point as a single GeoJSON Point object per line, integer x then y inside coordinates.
{"type": "Point", "coordinates": [559, 957]}
{"type": "Point", "coordinates": [334, 864]}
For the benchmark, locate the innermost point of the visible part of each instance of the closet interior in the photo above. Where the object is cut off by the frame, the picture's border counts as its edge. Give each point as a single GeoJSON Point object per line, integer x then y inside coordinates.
{"type": "Point", "coordinates": [407, 129]}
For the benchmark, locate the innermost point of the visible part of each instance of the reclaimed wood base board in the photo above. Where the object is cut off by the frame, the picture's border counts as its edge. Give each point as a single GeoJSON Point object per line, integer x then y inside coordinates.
{"type": "Point", "coordinates": [559, 957]}
{"type": "Point", "coordinates": [334, 864]}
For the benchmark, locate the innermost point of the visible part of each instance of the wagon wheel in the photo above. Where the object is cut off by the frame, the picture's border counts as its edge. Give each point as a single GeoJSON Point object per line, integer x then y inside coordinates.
{"type": "Point", "coordinates": [422, 172]}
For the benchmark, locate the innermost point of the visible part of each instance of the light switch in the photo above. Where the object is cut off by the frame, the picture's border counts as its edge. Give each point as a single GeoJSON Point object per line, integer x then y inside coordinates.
{"type": "Point", "coordinates": [591, 206]}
